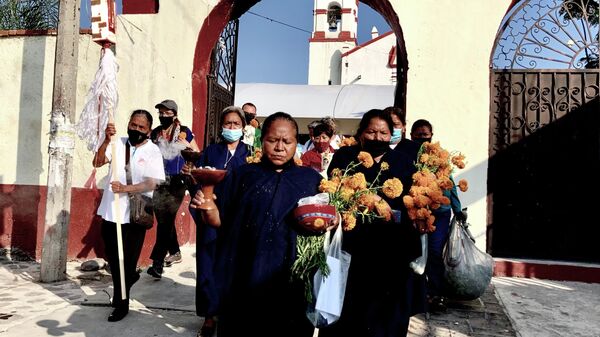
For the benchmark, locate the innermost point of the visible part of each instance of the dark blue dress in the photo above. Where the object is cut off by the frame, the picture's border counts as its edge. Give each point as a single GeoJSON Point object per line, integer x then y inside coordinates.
{"type": "Point", "coordinates": [256, 249]}
{"type": "Point", "coordinates": [217, 156]}
{"type": "Point", "coordinates": [382, 291]}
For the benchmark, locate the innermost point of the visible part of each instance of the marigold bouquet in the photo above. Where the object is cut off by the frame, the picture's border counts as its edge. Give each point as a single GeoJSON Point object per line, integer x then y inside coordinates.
{"type": "Point", "coordinates": [434, 168]}
{"type": "Point", "coordinates": [352, 198]}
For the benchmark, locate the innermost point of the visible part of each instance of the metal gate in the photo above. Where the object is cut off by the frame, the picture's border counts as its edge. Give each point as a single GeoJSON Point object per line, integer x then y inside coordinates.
{"type": "Point", "coordinates": [545, 133]}
{"type": "Point", "coordinates": [221, 80]}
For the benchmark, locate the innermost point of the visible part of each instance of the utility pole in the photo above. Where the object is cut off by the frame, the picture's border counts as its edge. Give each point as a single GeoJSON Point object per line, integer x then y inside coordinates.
{"type": "Point", "coordinates": [62, 144]}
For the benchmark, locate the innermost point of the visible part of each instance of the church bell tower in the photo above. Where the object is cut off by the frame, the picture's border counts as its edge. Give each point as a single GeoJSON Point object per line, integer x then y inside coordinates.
{"type": "Point", "coordinates": [334, 33]}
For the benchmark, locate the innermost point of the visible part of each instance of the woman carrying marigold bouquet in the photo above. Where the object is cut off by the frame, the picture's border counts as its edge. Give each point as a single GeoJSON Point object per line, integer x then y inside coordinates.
{"type": "Point", "coordinates": [382, 292]}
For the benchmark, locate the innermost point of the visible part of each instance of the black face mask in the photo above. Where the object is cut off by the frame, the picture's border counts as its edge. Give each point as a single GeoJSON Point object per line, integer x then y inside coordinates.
{"type": "Point", "coordinates": [166, 121]}
{"type": "Point", "coordinates": [249, 118]}
{"type": "Point", "coordinates": [136, 137]}
{"type": "Point", "coordinates": [423, 140]}
{"type": "Point", "coordinates": [376, 147]}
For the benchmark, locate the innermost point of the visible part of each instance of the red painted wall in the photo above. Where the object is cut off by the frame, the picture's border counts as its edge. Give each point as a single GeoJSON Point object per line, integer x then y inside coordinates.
{"type": "Point", "coordinates": [140, 6]}
{"type": "Point", "coordinates": [22, 223]}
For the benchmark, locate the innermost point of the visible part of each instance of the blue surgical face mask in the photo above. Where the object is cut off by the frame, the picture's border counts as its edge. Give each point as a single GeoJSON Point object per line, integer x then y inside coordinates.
{"type": "Point", "coordinates": [231, 135]}
{"type": "Point", "coordinates": [396, 136]}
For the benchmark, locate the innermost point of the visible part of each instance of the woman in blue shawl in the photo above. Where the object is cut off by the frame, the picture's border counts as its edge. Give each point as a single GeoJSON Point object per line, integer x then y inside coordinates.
{"type": "Point", "coordinates": [228, 154]}
{"type": "Point", "coordinates": [257, 239]}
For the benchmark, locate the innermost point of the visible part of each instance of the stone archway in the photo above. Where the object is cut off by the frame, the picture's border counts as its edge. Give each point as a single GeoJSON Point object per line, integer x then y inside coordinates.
{"type": "Point", "coordinates": [227, 10]}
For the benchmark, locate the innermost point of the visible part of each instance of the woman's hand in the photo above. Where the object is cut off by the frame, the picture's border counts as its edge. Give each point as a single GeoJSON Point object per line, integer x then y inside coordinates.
{"type": "Point", "coordinates": [187, 168]}
{"type": "Point", "coordinates": [209, 211]}
{"type": "Point", "coordinates": [117, 187]}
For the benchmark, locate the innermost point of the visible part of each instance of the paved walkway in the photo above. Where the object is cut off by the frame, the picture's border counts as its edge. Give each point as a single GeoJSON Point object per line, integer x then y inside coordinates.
{"type": "Point", "coordinates": [79, 306]}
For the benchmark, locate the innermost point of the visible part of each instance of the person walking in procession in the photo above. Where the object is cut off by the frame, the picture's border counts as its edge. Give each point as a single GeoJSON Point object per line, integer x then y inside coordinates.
{"type": "Point", "coordinates": [422, 132]}
{"type": "Point", "coordinates": [146, 170]}
{"type": "Point", "coordinates": [171, 137]}
{"type": "Point", "coordinates": [228, 154]}
{"type": "Point", "coordinates": [258, 247]}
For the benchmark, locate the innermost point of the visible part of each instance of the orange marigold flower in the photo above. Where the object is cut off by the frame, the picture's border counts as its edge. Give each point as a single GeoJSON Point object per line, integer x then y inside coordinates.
{"type": "Point", "coordinates": [336, 172]}
{"type": "Point", "coordinates": [349, 221]}
{"type": "Point", "coordinates": [346, 193]}
{"type": "Point", "coordinates": [383, 209]}
{"type": "Point", "coordinates": [423, 213]}
{"type": "Point", "coordinates": [319, 223]}
{"type": "Point", "coordinates": [459, 160]}
{"type": "Point", "coordinates": [368, 200]}
{"type": "Point", "coordinates": [422, 201]}
{"type": "Point", "coordinates": [254, 123]}
{"type": "Point", "coordinates": [357, 181]}
{"type": "Point", "coordinates": [298, 161]}
{"type": "Point", "coordinates": [385, 166]}
{"type": "Point", "coordinates": [182, 135]}
{"type": "Point", "coordinates": [445, 183]}
{"type": "Point", "coordinates": [365, 158]}
{"type": "Point", "coordinates": [328, 186]}
{"type": "Point", "coordinates": [423, 178]}
{"type": "Point", "coordinates": [463, 185]}
{"type": "Point", "coordinates": [424, 158]}
{"type": "Point", "coordinates": [412, 213]}
{"type": "Point", "coordinates": [408, 201]}
{"type": "Point", "coordinates": [348, 142]}
{"type": "Point", "coordinates": [392, 188]}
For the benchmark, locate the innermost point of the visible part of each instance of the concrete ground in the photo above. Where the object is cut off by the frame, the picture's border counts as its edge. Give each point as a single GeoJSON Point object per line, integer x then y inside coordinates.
{"type": "Point", "coordinates": [79, 306]}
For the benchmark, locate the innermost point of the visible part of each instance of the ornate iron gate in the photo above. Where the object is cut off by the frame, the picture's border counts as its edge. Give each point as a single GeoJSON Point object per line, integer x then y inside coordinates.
{"type": "Point", "coordinates": [221, 79]}
{"type": "Point", "coordinates": [545, 132]}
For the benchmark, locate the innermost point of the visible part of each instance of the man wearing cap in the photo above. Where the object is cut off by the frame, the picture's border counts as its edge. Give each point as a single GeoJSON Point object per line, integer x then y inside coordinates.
{"type": "Point", "coordinates": [171, 137]}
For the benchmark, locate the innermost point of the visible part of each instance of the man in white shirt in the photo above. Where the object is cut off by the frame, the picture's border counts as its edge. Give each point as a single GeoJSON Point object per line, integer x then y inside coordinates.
{"type": "Point", "coordinates": [146, 165]}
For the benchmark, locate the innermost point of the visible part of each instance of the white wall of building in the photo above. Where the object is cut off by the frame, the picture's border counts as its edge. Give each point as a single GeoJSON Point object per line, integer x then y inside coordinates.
{"type": "Point", "coordinates": [27, 69]}
{"type": "Point", "coordinates": [449, 45]}
{"type": "Point", "coordinates": [370, 62]}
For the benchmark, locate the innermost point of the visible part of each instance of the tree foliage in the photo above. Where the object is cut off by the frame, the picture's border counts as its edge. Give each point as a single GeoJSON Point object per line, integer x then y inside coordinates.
{"type": "Point", "coordinates": [584, 10]}
{"type": "Point", "coordinates": [28, 14]}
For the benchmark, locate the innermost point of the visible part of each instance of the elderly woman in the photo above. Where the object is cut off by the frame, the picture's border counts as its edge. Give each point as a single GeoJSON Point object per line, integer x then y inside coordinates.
{"type": "Point", "coordinates": [382, 291]}
{"type": "Point", "coordinates": [258, 246]}
{"type": "Point", "coordinates": [228, 154]}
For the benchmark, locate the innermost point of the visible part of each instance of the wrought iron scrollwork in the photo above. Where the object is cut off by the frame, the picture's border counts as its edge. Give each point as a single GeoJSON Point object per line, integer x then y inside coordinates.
{"type": "Point", "coordinates": [549, 34]}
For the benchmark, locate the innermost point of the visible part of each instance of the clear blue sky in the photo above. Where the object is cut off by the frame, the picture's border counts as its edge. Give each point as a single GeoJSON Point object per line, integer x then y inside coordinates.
{"type": "Point", "coordinates": [270, 52]}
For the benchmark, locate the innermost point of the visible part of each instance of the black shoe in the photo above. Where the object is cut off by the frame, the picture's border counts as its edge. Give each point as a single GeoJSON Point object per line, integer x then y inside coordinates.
{"type": "Point", "coordinates": [156, 269]}
{"type": "Point", "coordinates": [118, 314]}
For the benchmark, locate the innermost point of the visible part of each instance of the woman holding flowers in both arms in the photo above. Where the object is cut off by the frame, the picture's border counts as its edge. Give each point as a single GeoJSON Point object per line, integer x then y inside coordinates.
{"type": "Point", "coordinates": [257, 239]}
{"type": "Point", "coordinates": [382, 291]}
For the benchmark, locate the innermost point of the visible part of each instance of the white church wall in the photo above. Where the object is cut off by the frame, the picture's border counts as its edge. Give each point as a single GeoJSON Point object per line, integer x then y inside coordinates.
{"type": "Point", "coordinates": [370, 63]}
{"type": "Point", "coordinates": [448, 83]}
{"type": "Point", "coordinates": [324, 62]}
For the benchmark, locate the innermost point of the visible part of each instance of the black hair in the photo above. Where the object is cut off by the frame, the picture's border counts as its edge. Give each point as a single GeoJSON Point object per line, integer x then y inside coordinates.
{"type": "Point", "coordinates": [369, 115]}
{"type": "Point", "coordinates": [145, 113]}
{"type": "Point", "coordinates": [420, 123]}
{"type": "Point", "coordinates": [323, 128]}
{"type": "Point", "coordinates": [276, 116]}
{"type": "Point", "coordinates": [233, 109]}
{"type": "Point", "coordinates": [399, 112]}
{"type": "Point", "coordinates": [250, 104]}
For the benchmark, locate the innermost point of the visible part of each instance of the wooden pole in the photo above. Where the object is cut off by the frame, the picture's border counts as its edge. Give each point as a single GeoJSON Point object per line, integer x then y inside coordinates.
{"type": "Point", "coordinates": [62, 145]}
{"type": "Point", "coordinates": [117, 207]}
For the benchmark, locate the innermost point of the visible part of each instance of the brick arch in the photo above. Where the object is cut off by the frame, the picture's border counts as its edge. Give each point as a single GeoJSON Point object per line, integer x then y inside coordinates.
{"type": "Point", "coordinates": [229, 9]}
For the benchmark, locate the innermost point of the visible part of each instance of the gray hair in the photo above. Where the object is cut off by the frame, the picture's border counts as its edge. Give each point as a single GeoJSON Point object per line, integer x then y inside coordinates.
{"type": "Point", "coordinates": [236, 109]}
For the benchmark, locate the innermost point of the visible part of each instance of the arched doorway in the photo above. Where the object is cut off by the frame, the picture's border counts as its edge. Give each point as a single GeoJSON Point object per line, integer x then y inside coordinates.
{"type": "Point", "coordinates": [544, 132]}
{"type": "Point", "coordinates": [227, 10]}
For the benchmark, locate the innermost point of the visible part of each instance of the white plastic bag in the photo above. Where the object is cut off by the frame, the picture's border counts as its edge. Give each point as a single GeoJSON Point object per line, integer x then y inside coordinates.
{"type": "Point", "coordinates": [329, 291]}
{"type": "Point", "coordinates": [419, 264]}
